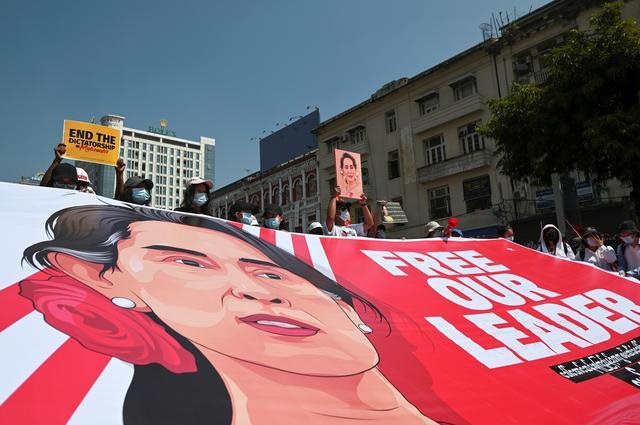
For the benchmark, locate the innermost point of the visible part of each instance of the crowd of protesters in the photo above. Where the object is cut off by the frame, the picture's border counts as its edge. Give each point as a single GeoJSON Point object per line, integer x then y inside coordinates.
{"type": "Point", "coordinates": [590, 246]}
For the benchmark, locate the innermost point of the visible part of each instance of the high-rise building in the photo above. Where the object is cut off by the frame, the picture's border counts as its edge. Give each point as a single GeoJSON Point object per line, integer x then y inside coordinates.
{"type": "Point", "coordinates": [157, 154]}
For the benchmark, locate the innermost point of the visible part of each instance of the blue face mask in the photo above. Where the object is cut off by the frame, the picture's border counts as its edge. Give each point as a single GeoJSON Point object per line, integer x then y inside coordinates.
{"type": "Point", "coordinates": [69, 186]}
{"type": "Point", "coordinates": [140, 195]}
{"type": "Point", "coordinates": [272, 223]}
{"type": "Point", "coordinates": [199, 199]}
{"type": "Point", "coordinates": [248, 218]}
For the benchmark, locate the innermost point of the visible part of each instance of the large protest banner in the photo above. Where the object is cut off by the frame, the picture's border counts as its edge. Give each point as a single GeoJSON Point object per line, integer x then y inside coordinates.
{"type": "Point", "coordinates": [124, 314]}
{"type": "Point", "coordinates": [91, 142]}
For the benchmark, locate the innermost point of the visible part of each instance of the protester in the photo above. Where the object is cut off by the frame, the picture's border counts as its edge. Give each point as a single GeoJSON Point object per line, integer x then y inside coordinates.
{"type": "Point", "coordinates": [273, 217]}
{"type": "Point", "coordinates": [433, 229]}
{"type": "Point", "coordinates": [629, 250]}
{"type": "Point", "coordinates": [596, 252]}
{"type": "Point", "coordinates": [340, 225]}
{"type": "Point", "coordinates": [242, 212]}
{"type": "Point", "coordinates": [551, 243]}
{"type": "Point", "coordinates": [315, 228]}
{"type": "Point", "coordinates": [196, 196]}
{"type": "Point", "coordinates": [456, 233]}
{"type": "Point", "coordinates": [505, 232]}
{"type": "Point", "coordinates": [60, 175]}
{"type": "Point", "coordinates": [119, 167]}
{"type": "Point", "coordinates": [137, 190]}
{"type": "Point", "coordinates": [84, 184]}
{"type": "Point", "coordinates": [381, 232]}
{"type": "Point", "coordinates": [63, 176]}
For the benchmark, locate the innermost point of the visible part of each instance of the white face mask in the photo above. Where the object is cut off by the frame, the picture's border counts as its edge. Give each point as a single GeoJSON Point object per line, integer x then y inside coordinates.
{"type": "Point", "coordinates": [344, 215]}
{"type": "Point", "coordinates": [509, 238]}
{"type": "Point", "coordinates": [199, 199]}
{"type": "Point", "coordinates": [592, 243]}
{"type": "Point", "coordinates": [627, 239]}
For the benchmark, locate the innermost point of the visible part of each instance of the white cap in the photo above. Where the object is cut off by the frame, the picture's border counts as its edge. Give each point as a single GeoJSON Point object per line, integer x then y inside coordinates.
{"type": "Point", "coordinates": [432, 225]}
{"type": "Point", "coordinates": [82, 175]}
{"type": "Point", "coordinates": [313, 225]}
{"type": "Point", "coordinates": [199, 180]}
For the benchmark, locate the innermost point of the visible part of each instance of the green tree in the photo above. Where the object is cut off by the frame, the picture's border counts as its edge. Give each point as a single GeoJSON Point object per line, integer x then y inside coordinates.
{"type": "Point", "coordinates": [587, 114]}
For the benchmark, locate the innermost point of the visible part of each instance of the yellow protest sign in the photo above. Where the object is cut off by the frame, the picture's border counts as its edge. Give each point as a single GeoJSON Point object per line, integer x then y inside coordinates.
{"type": "Point", "coordinates": [91, 142]}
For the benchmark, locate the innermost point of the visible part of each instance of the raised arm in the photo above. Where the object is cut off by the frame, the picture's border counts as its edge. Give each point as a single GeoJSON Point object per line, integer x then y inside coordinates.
{"type": "Point", "coordinates": [368, 218]}
{"type": "Point", "coordinates": [120, 167]}
{"type": "Point", "coordinates": [331, 208]}
{"type": "Point", "coordinates": [58, 151]}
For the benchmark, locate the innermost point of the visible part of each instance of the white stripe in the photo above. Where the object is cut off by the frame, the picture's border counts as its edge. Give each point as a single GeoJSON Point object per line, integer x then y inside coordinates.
{"type": "Point", "coordinates": [284, 241]}
{"type": "Point", "coordinates": [318, 256]}
{"type": "Point", "coordinates": [103, 403]}
{"type": "Point", "coordinates": [254, 230]}
{"type": "Point", "coordinates": [25, 346]}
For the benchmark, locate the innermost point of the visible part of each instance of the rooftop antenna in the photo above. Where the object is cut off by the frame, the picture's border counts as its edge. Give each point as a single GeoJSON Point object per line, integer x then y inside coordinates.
{"type": "Point", "coordinates": [487, 31]}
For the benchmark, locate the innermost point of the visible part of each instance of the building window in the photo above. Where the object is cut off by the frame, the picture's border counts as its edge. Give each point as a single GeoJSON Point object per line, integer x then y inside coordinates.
{"type": "Point", "coordinates": [266, 197]}
{"type": "Point", "coordinates": [365, 173]}
{"type": "Point", "coordinates": [276, 196]}
{"type": "Point", "coordinates": [285, 194]}
{"type": "Point", "coordinates": [477, 193]}
{"type": "Point", "coordinates": [439, 203]}
{"type": "Point", "coordinates": [312, 186]}
{"type": "Point", "coordinates": [464, 88]}
{"type": "Point", "coordinates": [390, 120]}
{"type": "Point", "coordinates": [428, 103]}
{"type": "Point", "coordinates": [470, 139]}
{"type": "Point", "coordinates": [297, 189]}
{"type": "Point", "coordinates": [333, 144]}
{"type": "Point", "coordinates": [393, 165]}
{"type": "Point", "coordinates": [358, 134]}
{"type": "Point", "coordinates": [434, 150]}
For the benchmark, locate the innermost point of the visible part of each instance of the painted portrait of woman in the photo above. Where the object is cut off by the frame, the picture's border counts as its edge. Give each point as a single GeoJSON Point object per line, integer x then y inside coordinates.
{"type": "Point", "coordinates": [221, 326]}
{"type": "Point", "coordinates": [350, 182]}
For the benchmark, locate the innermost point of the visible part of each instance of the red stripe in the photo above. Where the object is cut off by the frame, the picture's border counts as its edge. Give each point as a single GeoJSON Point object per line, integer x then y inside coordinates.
{"type": "Point", "coordinates": [235, 224]}
{"type": "Point", "coordinates": [13, 306]}
{"type": "Point", "coordinates": [301, 249]}
{"type": "Point", "coordinates": [268, 235]}
{"type": "Point", "coordinates": [54, 391]}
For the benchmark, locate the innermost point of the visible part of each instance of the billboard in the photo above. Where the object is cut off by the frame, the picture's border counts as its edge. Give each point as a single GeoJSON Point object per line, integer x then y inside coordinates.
{"type": "Point", "coordinates": [289, 142]}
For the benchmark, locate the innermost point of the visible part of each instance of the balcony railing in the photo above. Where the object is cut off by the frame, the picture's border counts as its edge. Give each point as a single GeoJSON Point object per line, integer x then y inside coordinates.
{"type": "Point", "coordinates": [456, 165]}
{"type": "Point", "coordinates": [460, 108]}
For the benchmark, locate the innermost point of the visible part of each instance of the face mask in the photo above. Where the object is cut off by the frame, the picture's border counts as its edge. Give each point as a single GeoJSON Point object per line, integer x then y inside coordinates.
{"type": "Point", "coordinates": [592, 243]}
{"type": "Point", "coordinates": [248, 218]}
{"type": "Point", "coordinates": [69, 186]}
{"type": "Point", "coordinates": [199, 199]}
{"type": "Point", "coordinates": [509, 238]}
{"type": "Point", "coordinates": [344, 215]}
{"type": "Point", "coordinates": [272, 223]}
{"type": "Point", "coordinates": [627, 239]}
{"type": "Point", "coordinates": [140, 195]}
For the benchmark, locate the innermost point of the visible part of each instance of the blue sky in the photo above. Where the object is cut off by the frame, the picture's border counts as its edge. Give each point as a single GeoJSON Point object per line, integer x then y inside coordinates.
{"type": "Point", "coordinates": [227, 69]}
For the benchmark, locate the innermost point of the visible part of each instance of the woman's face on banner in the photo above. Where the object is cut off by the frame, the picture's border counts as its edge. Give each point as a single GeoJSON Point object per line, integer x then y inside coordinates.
{"type": "Point", "coordinates": [348, 170]}
{"type": "Point", "coordinates": [227, 296]}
